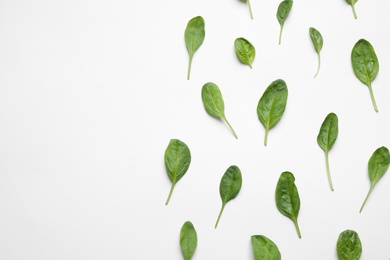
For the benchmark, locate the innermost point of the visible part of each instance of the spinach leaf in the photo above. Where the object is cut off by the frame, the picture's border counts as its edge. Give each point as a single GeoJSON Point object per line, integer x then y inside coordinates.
{"type": "Point", "coordinates": [349, 246]}
{"type": "Point", "coordinates": [188, 240]}
{"type": "Point", "coordinates": [352, 3]}
{"type": "Point", "coordinates": [287, 198]}
{"type": "Point", "coordinates": [377, 167]}
{"type": "Point", "coordinates": [249, 6]}
{"type": "Point", "coordinates": [194, 37]}
{"type": "Point", "coordinates": [272, 105]}
{"type": "Point", "coordinates": [245, 51]}
{"type": "Point", "coordinates": [264, 248]}
{"type": "Point", "coordinates": [229, 187]}
{"type": "Point", "coordinates": [365, 65]}
{"type": "Point", "coordinates": [284, 9]}
{"type": "Point", "coordinates": [213, 103]}
{"type": "Point", "coordinates": [177, 159]}
{"type": "Point", "coordinates": [318, 42]}
{"type": "Point", "coordinates": [327, 137]}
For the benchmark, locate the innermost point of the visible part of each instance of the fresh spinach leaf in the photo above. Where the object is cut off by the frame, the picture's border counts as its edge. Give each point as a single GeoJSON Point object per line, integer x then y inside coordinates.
{"type": "Point", "coordinates": [318, 42]}
{"type": "Point", "coordinates": [284, 9]}
{"type": "Point", "coordinates": [245, 51]}
{"type": "Point", "coordinates": [365, 65]}
{"type": "Point", "coordinates": [377, 167]}
{"type": "Point", "coordinates": [271, 105]}
{"type": "Point", "coordinates": [264, 248]}
{"type": "Point", "coordinates": [352, 3]}
{"type": "Point", "coordinates": [177, 159]}
{"type": "Point", "coordinates": [287, 198]}
{"type": "Point", "coordinates": [349, 246]}
{"type": "Point", "coordinates": [194, 36]}
{"type": "Point", "coordinates": [213, 103]}
{"type": "Point", "coordinates": [327, 137]}
{"type": "Point", "coordinates": [249, 6]}
{"type": "Point", "coordinates": [188, 240]}
{"type": "Point", "coordinates": [229, 187]}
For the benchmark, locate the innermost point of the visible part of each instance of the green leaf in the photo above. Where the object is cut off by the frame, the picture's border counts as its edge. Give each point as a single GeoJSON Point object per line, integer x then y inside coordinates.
{"type": "Point", "coordinates": [264, 248]}
{"type": "Point", "coordinates": [287, 198]}
{"type": "Point", "coordinates": [245, 51]}
{"type": "Point", "coordinates": [377, 167]}
{"type": "Point", "coordinates": [194, 36]}
{"type": "Point", "coordinates": [177, 159]}
{"type": "Point", "coordinates": [213, 103]}
{"type": "Point", "coordinates": [272, 105]}
{"type": "Point", "coordinates": [349, 246]}
{"type": "Point", "coordinates": [229, 187]}
{"type": "Point", "coordinates": [327, 137]}
{"type": "Point", "coordinates": [188, 240]}
{"type": "Point", "coordinates": [249, 7]}
{"type": "Point", "coordinates": [352, 3]}
{"type": "Point", "coordinates": [365, 65]}
{"type": "Point", "coordinates": [284, 9]}
{"type": "Point", "coordinates": [318, 42]}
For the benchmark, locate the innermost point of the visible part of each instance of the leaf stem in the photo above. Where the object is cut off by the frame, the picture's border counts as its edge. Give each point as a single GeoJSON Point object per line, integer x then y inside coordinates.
{"type": "Point", "coordinates": [368, 195]}
{"type": "Point", "coordinates": [354, 11]}
{"type": "Point", "coordinates": [297, 228]}
{"type": "Point", "coordinates": [266, 136]}
{"type": "Point", "coordinates": [328, 171]}
{"type": "Point", "coordinates": [231, 128]}
{"type": "Point", "coordinates": [189, 67]}
{"type": "Point", "coordinates": [220, 214]}
{"type": "Point", "coordinates": [280, 34]}
{"type": "Point", "coordinates": [170, 193]}
{"type": "Point", "coordinates": [319, 64]}
{"type": "Point", "coordinates": [372, 97]}
{"type": "Point", "coordinates": [250, 9]}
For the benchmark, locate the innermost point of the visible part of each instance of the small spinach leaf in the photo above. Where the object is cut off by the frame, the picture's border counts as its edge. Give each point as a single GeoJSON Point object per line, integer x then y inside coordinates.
{"type": "Point", "coordinates": [229, 187]}
{"type": "Point", "coordinates": [318, 42]}
{"type": "Point", "coordinates": [287, 198]}
{"type": "Point", "coordinates": [188, 240]}
{"type": "Point", "coordinates": [365, 65]}
{"type": "Point", "coordinates": [177, 159]}
{"type": "Point", "coordinates": [264, 248]}
{"type": "Point", "coordinates": [194, 36]}
{"type": "Point", "coordinates": [352, 3]}
{"type": "Point", "coordinates": [271, 105]}
{"type": "Point", "coordinates": [284, 9]}
{"type": "Point", "coordinates": [249, 6]}
{"type": "Point", "coordinates": [349, 246]}
{"type": "Point", "coordinates": [245, 51]}
{"type": "Point", "coordinates": [327, 137]}
{"type": "Point", "coordinates": [377, 167]}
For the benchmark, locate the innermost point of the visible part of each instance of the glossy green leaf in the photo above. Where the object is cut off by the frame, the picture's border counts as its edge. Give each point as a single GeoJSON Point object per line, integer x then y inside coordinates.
{"type": "Point", "coordinates": [264, 248]}
{"type": "Point", "coordinates": [284, 9]}
{"type": "Point", "coordinates": [352, 3]}
{"type": "Point", "coordinates": [287, 198]}
{"type": "Point", "coordinates": [365, 65]}
{"type": "Point", "coordinates": [188, 240]}
{"type": "Point", "coordinates": [213, 103]}
{"type": "Point", "coordinates": [271, 105]}
{"type": "Point", "coordinates": [318, 42]}
{"type": "Point", "coordinates": [194, 36]}
{"type": "Point", "coordinates": [177, 159]}
{"type": "Point", "coordinates": [349, 246]}
{"type": "Point", "coordinates": [327, 137]}
{"type": "Point", "coordinates": [229, 187]}
{"type": "Point", "coordinates": [377, 167]}
{"type": "Point", "coordinates": [245, 51]}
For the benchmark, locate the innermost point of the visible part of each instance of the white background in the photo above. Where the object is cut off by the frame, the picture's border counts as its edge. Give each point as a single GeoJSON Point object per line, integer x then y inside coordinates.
{"type": "Point", "coordinates": [92, 92]}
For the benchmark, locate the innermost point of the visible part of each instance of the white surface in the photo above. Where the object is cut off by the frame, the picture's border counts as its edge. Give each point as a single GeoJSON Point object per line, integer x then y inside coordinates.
{"type": "Point", "coordinates": [92, 91]}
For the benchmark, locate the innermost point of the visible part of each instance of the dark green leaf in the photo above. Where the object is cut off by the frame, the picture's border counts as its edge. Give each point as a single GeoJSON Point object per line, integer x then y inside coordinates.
{"type": "Point", "coordinates": [284, 9]}
{"type": "Point", "coordinates": [349, 246]}
{"type": "Point", "coordinates": [377, 167]}
{"type": "Point", "coordinates": [188, 240]}
{"type": "Point", "coordinates": [318, 42]}
{"type": "Point", "coordinates": [352, 3]}
{"type": "Point", "coordinates": [272, 105]}
{"type": "Point", "coordinates": [177, 159]}
{"type": "Point", "coordinates": [194, 36]}
{"type": "Point", "coordinates": [264, 248]}
{"type": "Point", "coordinates": [365, 65]}
{"type": "Point", "coordinates": [287, 198]}
{"type": "Point", "coordinates": [245, 51]}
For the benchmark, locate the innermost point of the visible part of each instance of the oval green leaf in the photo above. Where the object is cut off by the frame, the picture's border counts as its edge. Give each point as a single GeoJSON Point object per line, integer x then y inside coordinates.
{"type": "Point", "coordinates": [284, 9]}
{"type": "Point", "coordinates": [194, 36]}
{"type": "Point", "coordinates": [287, 198]}
{"type": "Point", "coordinates": [272, 105]}
{"type": "Point", "coordinates": [188, 240]}
{"type": "Point", "coordinates": [264, 248]}
{"type": "Point", "coordinates": [245, 51]}
{"type": "Point", "coordinates": [177, 160]}
{"type": "Point", "coordinates": [349, 246]}
{"type": "Point", "coordinates": [352, 3]}
{"type": "Point", "coordinates": [229, 187]}
{"type": "Point", "coordinates": [365, 65]}
{"type": "Point", "coordinates": [318, 42]}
